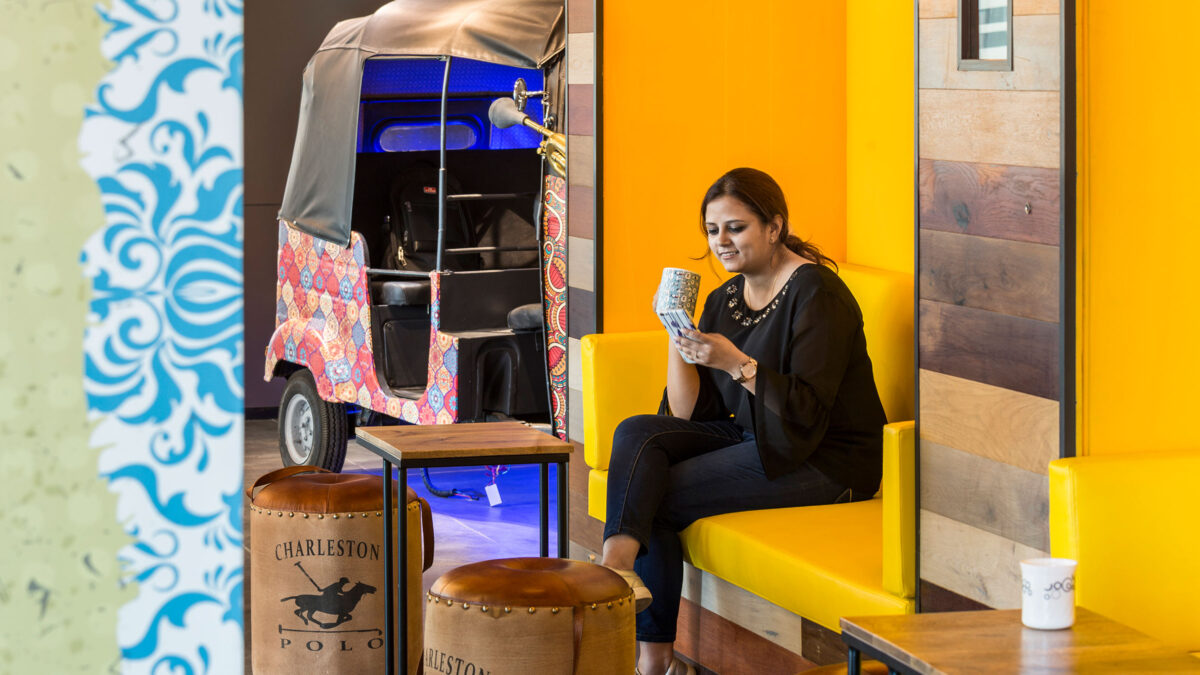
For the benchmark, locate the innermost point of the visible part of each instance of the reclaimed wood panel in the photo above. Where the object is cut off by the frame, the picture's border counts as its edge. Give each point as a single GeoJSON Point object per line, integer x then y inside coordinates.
{"type": "Point", "coordinates": [581, 263]}
{"type": "Point", "coordinates": [992, 422]}
{"type": "Point", "coordinates": [574, 365]}
{"type": "Point", "coordinates": [580, 102]}
{"type": "Point", "coordinates": [1010, 277]}
{"type": "Point", "coordinates": [990, 495]}
{"type": "Point", "coordinates": [580, 16]}
{"type": "Point", "coordinates": [581, 152]}
{"type": "Point", "coordinates": [990, 200]}
{"type": "Point", "coordinates": [1005, 351]}
{"type": "Point", "coordinates": [581, 212]}
{"type": "Point", "coordinates": [976, 564]}
{"type": "Point", "coordinates": [934, 598]}
{"type": "Point", "coordinates": [1036, 58]}
{"type": "Point", "coordinates": [1003, 127]}
{"type": "Point", "coordinates": [581, 312]}
{"type": "Point", "coordinates": [581, 58]}
{"type": "Point", "coordinates": [821, 645]}
{"type": "Point", "coordinates": [737, 605]}
{"type": "Point", "coordinates": [725, 647]}
{"type": "Point", "coordinates": [584, 530]}
{"type": "Point", "coordinates": [575, 415]}
{"type": "Point", "coordinates": [932, 9]}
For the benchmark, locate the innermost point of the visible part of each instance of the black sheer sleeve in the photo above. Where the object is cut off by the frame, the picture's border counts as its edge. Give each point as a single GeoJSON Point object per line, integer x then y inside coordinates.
{"type": "Point", "coordinates": [709, 407]}
{"type": "Point", "coordinates": [791, 411]}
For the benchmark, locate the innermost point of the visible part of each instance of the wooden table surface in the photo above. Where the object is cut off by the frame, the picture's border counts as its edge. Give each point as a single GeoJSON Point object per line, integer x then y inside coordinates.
{"type": "Point", "coordinates": [996, 641]}
{"type": "Point", "coordinates": [448, 441]}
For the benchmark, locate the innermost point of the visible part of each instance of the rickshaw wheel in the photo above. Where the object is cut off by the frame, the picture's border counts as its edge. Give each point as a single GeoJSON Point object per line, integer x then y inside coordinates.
{"type": "Point", "coordinates": [312, 431]}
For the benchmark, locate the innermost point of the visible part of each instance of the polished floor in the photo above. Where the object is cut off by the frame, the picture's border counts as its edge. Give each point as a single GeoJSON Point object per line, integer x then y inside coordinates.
{"type": "Point", "coordinates": [464, 530]}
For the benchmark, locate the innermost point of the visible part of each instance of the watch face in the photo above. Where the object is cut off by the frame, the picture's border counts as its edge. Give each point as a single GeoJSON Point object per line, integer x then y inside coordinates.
{"type": "Point", "coordinates": [749, 369]}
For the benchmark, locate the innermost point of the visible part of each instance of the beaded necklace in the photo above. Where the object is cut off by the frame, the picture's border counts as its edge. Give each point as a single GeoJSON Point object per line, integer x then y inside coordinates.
{"type": "Point", "coordinates": [751, 317]}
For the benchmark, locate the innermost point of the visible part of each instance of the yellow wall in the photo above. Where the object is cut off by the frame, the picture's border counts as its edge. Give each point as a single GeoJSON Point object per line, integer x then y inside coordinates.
{"type": "Point", "coordinates": [1139, 310]}
{"type": "Point", "coordinates": [692, 89]}
{"type": "Point", "coordinates": [879, 134]}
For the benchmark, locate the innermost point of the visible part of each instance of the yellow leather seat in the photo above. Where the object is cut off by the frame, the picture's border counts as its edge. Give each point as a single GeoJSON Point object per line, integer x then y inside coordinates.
{"type": "Point", "coordinates": [1133, 523]}
{"type": "Point", "coordinates": [821, 562]}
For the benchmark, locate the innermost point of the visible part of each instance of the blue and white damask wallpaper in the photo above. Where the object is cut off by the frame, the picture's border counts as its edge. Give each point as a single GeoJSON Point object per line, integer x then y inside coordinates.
{"type": "Point", "coordinates": [121, 346]}
{"type": "Point", "coordinates": [163, 349]}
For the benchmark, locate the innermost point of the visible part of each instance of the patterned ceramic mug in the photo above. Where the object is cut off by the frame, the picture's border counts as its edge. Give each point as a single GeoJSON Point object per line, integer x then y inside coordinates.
{"type": "Point", "coordinates": [1048, 593]}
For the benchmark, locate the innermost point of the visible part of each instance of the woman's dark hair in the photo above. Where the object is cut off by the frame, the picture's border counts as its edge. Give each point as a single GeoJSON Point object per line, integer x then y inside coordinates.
{"type": "Point", "coordinates": [762, 195]}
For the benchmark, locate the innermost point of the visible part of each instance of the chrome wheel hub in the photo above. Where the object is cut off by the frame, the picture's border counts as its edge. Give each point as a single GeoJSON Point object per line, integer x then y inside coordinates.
{"type": "Point", "coordinates": [298, 430]}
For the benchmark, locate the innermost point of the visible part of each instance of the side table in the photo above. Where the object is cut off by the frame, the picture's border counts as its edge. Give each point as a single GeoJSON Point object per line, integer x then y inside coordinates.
{"type": "Point", "coordinates": [416, 447]}
{"type": "Point", "coordinates": [995, 640]}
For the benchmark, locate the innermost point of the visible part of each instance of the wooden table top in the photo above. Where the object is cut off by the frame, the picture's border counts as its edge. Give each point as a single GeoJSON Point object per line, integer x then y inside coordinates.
{"type": "Point", "coordinates": [455, 441]}
{"type": "Point", "coordinates": [996, 641]}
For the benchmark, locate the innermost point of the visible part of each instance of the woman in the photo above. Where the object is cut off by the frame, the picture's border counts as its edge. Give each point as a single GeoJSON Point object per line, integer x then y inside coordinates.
{"type": "Point", "coordinates": [780, 408]}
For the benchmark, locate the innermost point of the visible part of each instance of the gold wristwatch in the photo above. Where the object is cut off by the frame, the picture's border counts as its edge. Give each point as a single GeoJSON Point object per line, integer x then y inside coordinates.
{"type": "Point", "coordinates": [746, 371]}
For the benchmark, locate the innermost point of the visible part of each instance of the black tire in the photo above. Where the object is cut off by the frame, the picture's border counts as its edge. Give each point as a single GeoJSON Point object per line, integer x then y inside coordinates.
{"type": "Point", "coordinates": [312, 432]}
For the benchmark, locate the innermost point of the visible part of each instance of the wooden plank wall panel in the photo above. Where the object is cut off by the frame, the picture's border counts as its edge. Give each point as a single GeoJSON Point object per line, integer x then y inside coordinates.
{"type": "Point", "coordinates": [992, 496]}
{"type": "Point", "coordinates": [1035, 57]}
{"type": "Point", "coordinates": [584, 530]}
{"type": "Point", "coordinates": [581, 211]}
{"type": "Point", "coordinates": [586, 533]}
{"type": "Point", "coordinates": [992, 422]}
{"type": "Point", "coordinates": [1005, 351]}
{"type": "Point", "coordinates": [1001, 127]}
{"type": "Point", "coordinates": [725, 647]}
{"type": "Point", "coordinates": [1010, 277]}
{"type": "Point", "coordinates": [971, 562]}
{"type": "Point", "coordinates": [934, 598]}
{"type": "Point", "coordinates": [990, 200]}
{"type": "Point", "coordinates": [988, 280]}
{"type": "Point", "coordinates": [735, 604]}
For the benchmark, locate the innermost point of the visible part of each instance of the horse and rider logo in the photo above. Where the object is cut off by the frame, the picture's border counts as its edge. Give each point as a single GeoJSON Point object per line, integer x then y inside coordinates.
{"type": "Point", "coordinates": [337, 600]}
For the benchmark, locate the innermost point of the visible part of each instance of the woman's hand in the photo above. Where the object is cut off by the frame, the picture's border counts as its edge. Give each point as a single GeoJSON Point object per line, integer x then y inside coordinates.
{"type": "Point", "coordinates": [713, 350]}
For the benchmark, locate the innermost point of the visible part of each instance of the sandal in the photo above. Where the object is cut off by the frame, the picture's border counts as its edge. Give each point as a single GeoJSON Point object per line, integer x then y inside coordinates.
{"type": "Point", "coordinates": [677, 667]}
{"type": "Point", "coordinates": [641, 594]}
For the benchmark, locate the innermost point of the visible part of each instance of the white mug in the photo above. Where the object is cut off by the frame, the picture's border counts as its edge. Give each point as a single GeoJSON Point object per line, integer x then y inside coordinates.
{"type": "Point", "coordinates": [1048, 593]}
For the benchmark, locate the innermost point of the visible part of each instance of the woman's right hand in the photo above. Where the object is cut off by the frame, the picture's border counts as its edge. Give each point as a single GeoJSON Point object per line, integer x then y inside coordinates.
{"type": "Point", "coordinates": [654, 300]}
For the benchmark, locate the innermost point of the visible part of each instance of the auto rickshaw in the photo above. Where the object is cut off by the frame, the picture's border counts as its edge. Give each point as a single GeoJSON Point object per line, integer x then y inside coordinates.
{"type": "Point", "coordinates": [422, 247]}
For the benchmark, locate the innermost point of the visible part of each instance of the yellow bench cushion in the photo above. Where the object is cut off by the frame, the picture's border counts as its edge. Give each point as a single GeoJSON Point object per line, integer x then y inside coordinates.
{"type": "Point", "coordinates": [821, 562]}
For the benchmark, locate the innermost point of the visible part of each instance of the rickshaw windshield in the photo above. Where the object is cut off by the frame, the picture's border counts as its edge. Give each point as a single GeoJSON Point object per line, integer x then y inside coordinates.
{"type": "Point", "coordinates": [389, 82]}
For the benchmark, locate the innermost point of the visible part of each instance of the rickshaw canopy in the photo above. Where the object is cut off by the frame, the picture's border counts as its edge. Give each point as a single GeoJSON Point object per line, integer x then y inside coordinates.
{"type": "Point", "coordinates": [320, 186]}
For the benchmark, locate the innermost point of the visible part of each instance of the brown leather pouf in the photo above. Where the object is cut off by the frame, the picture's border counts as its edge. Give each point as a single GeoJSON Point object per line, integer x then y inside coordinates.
{"type": "Point", "coordinates": [529, 615]}
{"type": "Point", "coordinates": [317, 572]}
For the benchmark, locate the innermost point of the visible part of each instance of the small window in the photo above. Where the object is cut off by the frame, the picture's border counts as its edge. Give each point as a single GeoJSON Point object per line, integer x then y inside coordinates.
{"type": "Point", "coordinates": [410, 136]}
{"type": "Point", "coordinates": [985, 38]}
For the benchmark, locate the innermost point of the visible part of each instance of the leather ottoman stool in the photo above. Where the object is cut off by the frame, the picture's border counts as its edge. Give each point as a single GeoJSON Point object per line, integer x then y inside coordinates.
{"type": "Point", "coordinates": [529, 615]}
{"type": "Point", "coordinates": [317, 572]}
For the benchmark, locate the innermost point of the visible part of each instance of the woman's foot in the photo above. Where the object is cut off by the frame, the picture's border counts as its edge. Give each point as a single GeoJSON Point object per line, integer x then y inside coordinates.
{"type": "Point", "coordinates": [641, 594]}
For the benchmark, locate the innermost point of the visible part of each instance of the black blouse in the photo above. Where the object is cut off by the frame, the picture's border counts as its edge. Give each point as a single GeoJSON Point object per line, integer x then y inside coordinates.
{"type": "Point", "coordinates": [815, 398]}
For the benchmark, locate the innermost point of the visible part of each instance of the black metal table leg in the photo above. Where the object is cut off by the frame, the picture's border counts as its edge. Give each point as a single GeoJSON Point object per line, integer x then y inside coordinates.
{"type": "Point", "coordinates": [563, 519]}
{"type": "Point", "coordinates": [389, 579]}
{"type": "Point", "coordinates": [853, 661]}
{"type": "Point", "coordinates": [544, 511]}
{"type": "Point", "coordinates": [402, 542]}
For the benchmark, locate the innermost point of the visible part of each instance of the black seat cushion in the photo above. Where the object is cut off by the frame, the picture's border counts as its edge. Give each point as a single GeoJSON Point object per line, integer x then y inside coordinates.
{"type": "Point", "coordinates": [526, 317]}
{"type": "Point", "coordinates": [414, 292]}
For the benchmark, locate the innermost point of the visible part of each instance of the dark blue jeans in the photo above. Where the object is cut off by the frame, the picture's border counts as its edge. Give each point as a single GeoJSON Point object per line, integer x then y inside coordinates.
{"type": "Point", "coordinates": [666, 473]}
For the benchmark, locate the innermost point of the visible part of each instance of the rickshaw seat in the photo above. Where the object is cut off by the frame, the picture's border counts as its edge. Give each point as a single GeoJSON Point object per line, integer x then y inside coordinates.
{"type": "Point", "coordinates": [409, 292]}
{"type": "Point", "coordinates": [526, 317]}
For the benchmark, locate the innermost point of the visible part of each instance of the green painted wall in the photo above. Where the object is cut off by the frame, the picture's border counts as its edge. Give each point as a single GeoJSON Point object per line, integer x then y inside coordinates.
{"type": "Point", "coordinates": [60, 585]}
